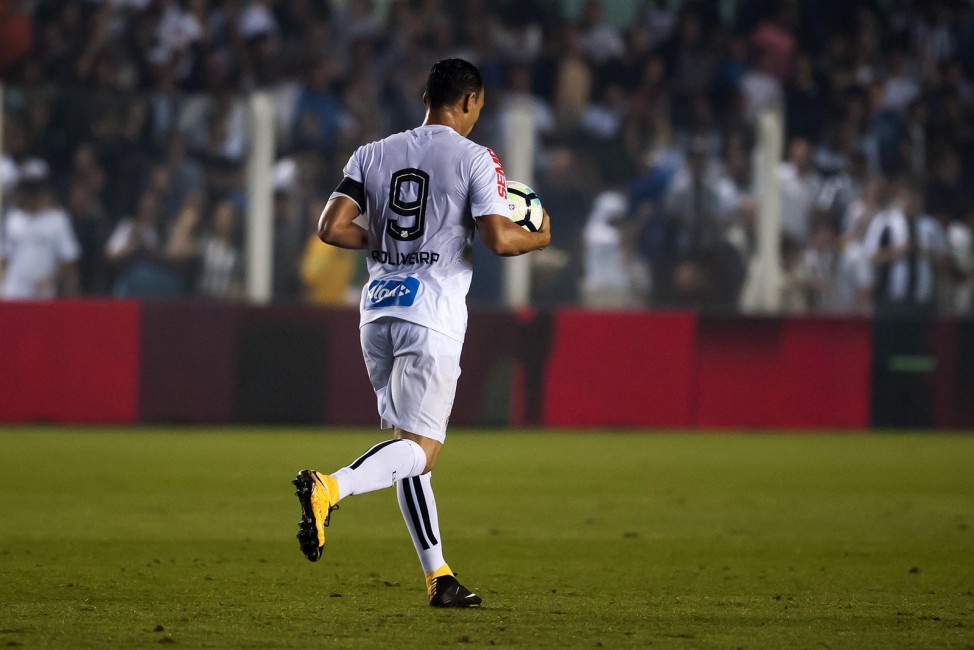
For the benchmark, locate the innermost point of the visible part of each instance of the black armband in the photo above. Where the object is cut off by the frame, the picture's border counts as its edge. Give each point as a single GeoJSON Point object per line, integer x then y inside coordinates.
{"type": "Point", "coordinates": [353, 190]}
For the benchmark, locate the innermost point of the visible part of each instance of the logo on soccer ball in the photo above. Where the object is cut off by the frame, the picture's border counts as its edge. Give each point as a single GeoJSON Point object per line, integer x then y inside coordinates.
{"type": "Point", "coordinates": [394, 292]}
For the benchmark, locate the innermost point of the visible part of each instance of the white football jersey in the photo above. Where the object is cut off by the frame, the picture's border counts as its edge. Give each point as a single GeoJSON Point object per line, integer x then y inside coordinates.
{"type": "Point", "coordinates": [420, 191]}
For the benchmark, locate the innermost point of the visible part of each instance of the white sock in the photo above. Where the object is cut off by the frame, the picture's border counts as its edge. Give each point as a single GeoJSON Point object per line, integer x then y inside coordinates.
{"type": "Point", "coordinates": [380, 467]}
{"type": "Point", "coordinates": [419, 510]}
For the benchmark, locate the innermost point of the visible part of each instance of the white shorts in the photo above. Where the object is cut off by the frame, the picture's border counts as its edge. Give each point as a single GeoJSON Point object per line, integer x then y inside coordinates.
{"type": "Point", "coordinates": [414, 372]}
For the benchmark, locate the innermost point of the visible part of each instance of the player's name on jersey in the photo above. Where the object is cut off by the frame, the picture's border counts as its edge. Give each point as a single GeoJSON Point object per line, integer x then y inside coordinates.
{"type": "Point", "coordinates": [403, 259]}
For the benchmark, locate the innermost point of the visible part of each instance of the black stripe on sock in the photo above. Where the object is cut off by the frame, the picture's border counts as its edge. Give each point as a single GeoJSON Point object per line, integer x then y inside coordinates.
{"type": "Point", "coordinates": [421, 499]}
{"type": "Point", "coordinates": [411, 506]}
{"type": "Point", "coordinates": [364, 457]}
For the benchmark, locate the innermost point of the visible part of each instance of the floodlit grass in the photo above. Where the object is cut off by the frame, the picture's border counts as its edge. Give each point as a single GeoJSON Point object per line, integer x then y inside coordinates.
{"type": "Point", "coordinates": [127, 538]}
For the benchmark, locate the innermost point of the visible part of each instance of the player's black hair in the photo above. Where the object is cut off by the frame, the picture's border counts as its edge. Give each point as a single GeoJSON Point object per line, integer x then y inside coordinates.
{"type": "Point", "coordinates": [450, 80]}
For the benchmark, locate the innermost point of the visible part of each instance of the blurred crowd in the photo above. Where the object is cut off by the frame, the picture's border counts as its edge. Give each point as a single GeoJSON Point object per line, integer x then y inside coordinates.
{"type": "Point", "coordinates": [126, 133]}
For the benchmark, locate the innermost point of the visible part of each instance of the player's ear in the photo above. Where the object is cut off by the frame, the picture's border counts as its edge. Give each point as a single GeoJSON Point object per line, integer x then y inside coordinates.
{"type": "Point", "coordinates": [426, 99]}
{"type": "Point", "coordinates": [469, 101]}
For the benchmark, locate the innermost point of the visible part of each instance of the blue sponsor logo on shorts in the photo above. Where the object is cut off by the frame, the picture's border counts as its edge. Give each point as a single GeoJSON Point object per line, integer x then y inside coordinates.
{"type": "Point", "coordinates": [389, 293]}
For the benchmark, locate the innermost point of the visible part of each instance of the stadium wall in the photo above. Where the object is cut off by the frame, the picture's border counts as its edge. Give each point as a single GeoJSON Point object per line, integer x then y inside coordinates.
{"type": "Point", "coordinates": [70, 362]}
{"type": "Point", "coordinates": [211, 363]}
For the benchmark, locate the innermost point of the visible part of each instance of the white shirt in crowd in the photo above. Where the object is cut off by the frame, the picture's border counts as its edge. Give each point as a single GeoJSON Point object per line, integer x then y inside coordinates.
{"type": "Point", "coordinates": [930, 239]}
{"type": "Point", "coordinates": [602, 43]}
{"type": "Point", "coordinates": [799, 194]}
{"type": "Point", "coordinates": [124, 233]}
{"type": "Point", "coordinates": [34, 247]}
{"type": "Point", "coordinates": [898, 92]}
{"type": "Point", "coordinates": [221, 268]}
{"type": "Point", "coordinates": [960, 242]}
{"type": "Point", "coordinates": [839, 193]}
{"type": "Point", "coordinates": [840, 278]}
{"type": "Point", "coordinates": [612, 278]}
{"type": "Point", "coordinates": [761, 92]}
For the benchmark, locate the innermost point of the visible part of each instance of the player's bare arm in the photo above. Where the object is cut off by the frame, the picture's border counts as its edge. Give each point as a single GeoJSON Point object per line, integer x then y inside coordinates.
{"type": "Point", "coordinates": [335, 226]}
{"type": "Point", "coordinates": [503, 237]}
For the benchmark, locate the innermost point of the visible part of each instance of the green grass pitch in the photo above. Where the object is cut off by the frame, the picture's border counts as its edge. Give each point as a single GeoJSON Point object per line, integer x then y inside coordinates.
{"type": "Point", "coordinates": [131, 538]}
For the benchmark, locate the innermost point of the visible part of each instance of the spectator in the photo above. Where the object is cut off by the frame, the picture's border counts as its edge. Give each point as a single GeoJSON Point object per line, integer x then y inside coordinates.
{"type": "Point", "coordinates": [907, 249]}
{"type": "Point", "coordinates": [800, 186]}
{"type": "Point", "coordinates": [842, 190]}
{"type": "Point", "coordinates": [603, 118]}
{"type": "Point", "coordinates": [660, 21]}
{"type": "Point", "coordinates": [563, 189]}
{"type": "Point", "coordinates": [257, 19]}
{"type": "Point", "coordinates": [521, 96]}
{"type": "Point", "coordinates": [39, 250]}
{"type": "Point", "coordinates": [960, 288]}
{"type": "Point", "coordinates": [875, 199]}
{"type": "Point", "coordinates": [761, 89]}
{"type": "Point", "coordinates": [165, 103]}
{"type": "Point", "coordinates": [851, 292]}
{"type": "Point", "coordinates": [221, 258]}
{"type": "Point", "coordinates": [16, 161]}
{"type": "Point", "coordinates": [838, 271]}
{"type": "Point", "coordinates": [87, 182]}
{"type": "Point", "coordinates": [901, 87]}
{"type": "Point", "coordinates": [732, 67]}
{"type": "Point", "coordinates": [735, 180]}
{"type": "Point", "coordinates": [614, 276]}
{"type": "Point", "coordinates": [135, 251]}
{"type": "Point", "coordinates": [358, 21]}
{"type": "Point", "coordinates": [290, 235]}
{"type": "Point", "coordinates": [326, 271]}
{"type": "Point", "coordinates": [16, 32]}
{"type": "Point", "coordinates": [162, 185]}
{"type": "Point", "coordinates": [184, 173]}
{"type": "Point", "coordinates": [806, 101]}
{"type": "Point", "coordinates": [691, 57]}
{"type": "Point", "coordinates": [694, 266]}
{"type": "Point", "coordinates": [916, 138]}
{"type": "Point", "coordinates": [574, 79]}
{"type": "Point", "coordinates": [182, 250]}
{"type": "Point", "coordinates": [648, 123]}
{"type": "Point", "coordinates": [776, 39]}
{"type": "Point", "coordinates": [318, 113]}
{"type": "Point", "coordinates": [600, 42]}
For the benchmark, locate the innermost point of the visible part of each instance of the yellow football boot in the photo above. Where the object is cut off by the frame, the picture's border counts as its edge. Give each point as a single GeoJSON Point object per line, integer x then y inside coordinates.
{"type": "Point", "coordinates": [318, 496]}
{"type": "Point", "coordinates": [444, 590]}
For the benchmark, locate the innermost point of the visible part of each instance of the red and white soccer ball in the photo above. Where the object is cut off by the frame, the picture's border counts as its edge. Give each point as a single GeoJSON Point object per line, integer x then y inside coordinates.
{"type": "Point", "coordinates": [525, 206]}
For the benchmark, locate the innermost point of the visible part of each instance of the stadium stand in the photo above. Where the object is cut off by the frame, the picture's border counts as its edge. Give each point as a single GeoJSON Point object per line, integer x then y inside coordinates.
{"type": "Point", "coordinates": [129, 118]}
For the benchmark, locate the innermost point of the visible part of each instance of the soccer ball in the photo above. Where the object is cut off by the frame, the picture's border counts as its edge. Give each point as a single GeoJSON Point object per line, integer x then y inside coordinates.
{"type": "Point", "coordinates": [525, 206]}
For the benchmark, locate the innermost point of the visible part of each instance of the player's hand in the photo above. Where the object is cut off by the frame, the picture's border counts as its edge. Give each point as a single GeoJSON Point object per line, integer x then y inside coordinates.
{"type": "Point", "coordinates": [545, 226]}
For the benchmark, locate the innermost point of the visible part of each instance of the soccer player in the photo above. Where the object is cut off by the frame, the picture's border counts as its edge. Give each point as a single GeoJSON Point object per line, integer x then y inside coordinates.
{"type": "Point", "coordinates": [414, 200]}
